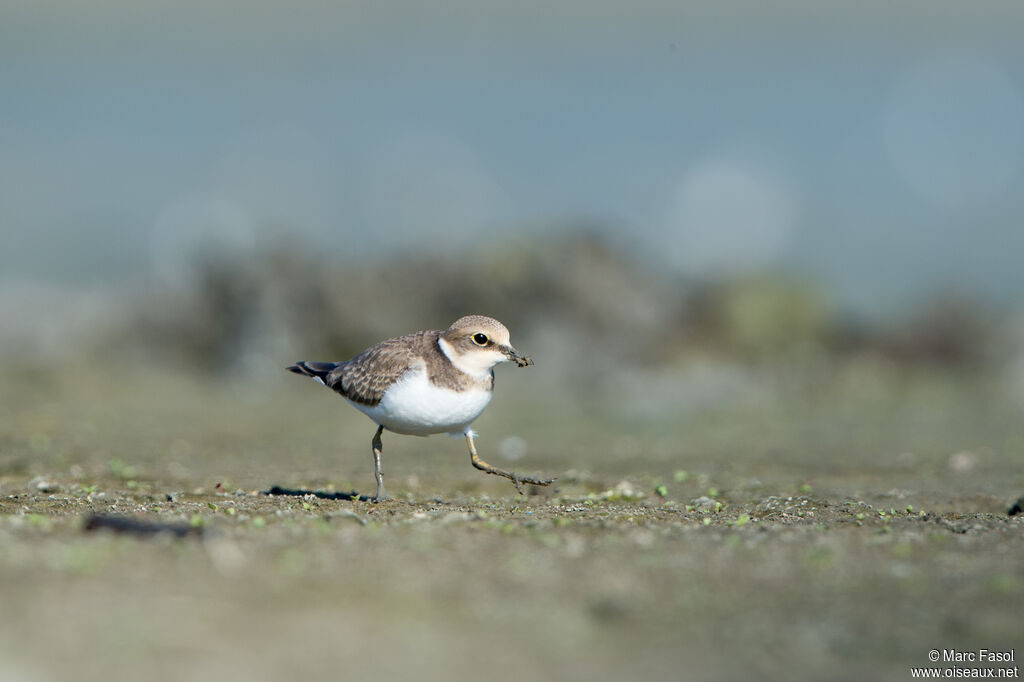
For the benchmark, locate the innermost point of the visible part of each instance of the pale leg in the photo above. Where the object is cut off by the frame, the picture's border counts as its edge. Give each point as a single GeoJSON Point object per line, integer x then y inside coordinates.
{"type": "Point", "coordinates": [377, 447]}
{"type": "Point", "coordinates": [517, 479]}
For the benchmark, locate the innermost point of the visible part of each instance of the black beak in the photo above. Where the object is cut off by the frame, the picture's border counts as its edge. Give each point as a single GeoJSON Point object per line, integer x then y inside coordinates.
{"type": "Point", "coordinates": [514, 356]}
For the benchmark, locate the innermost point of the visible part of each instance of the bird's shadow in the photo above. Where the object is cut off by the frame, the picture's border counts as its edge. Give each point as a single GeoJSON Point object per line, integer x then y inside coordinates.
{"type": "Point", "coordinates": [117, 523]}
{"type": "Point", "coordinates": [320, 494]}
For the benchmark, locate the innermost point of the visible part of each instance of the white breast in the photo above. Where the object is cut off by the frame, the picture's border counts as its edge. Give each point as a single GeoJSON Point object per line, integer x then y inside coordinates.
{"type": "Point", "coordinates": [415, 406]}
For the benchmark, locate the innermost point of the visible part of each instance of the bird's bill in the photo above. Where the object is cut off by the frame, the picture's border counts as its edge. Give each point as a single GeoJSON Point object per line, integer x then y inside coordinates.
{"type": "Point", "coordinates": [513, 355]}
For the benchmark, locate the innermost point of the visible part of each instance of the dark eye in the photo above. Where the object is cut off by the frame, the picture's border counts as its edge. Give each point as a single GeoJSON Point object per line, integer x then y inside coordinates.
{"type": "Point", "coordinates": [480, 339]}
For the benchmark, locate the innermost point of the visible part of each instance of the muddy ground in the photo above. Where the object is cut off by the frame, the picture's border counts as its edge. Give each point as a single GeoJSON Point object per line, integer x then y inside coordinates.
{"type": "Point", "coordinates": [835, 531]}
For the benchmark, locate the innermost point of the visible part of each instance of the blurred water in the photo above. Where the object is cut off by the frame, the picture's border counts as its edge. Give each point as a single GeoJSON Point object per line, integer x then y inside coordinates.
{"type": "Point", "coordinates": [876, 148]}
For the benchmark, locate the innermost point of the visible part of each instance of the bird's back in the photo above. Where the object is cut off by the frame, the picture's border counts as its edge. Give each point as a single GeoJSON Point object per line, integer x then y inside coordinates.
{"type": "Point", "coordinates": [366, 377]}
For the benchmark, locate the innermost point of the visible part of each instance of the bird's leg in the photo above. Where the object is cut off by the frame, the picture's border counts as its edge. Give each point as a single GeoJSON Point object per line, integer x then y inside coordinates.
{"type": "Point", "coordinates": [377, 447]}
{"type": "Point", "coordinates": [517, 479]}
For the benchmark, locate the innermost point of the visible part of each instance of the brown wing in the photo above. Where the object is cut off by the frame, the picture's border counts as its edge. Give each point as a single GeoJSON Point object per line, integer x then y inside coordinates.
{"type": "Point", "coordinates": [364, 378]}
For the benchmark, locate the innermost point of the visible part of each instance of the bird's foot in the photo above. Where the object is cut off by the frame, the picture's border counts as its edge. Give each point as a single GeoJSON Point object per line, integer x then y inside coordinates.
{"type": "Point", "coordinates": [519, 479]}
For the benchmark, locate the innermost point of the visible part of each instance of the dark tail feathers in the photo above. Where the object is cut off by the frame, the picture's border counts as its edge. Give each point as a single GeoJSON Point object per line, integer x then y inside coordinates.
{"type": "Point", "coordinates": [315, 370]}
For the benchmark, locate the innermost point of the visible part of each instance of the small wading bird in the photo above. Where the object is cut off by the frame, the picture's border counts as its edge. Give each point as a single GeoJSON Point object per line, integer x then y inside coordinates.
{"type": "Point", "coordinates": [424, 383]}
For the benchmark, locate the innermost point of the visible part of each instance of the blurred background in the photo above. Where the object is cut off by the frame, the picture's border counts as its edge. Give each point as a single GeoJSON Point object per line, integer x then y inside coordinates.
{"type": "Point", "coordinates": [674, 207]}
{"type": "Point", "coordinates": [233, 185]}
{"type": "Point", "coordinates": [763, 254]}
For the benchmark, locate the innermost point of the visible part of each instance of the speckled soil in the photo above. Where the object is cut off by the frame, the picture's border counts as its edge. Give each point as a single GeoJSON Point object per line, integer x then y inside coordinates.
{"type": "Point", "coordinates": [838, 538]}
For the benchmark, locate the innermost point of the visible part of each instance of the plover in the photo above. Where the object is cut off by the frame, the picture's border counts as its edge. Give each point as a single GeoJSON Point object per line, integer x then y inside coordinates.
{"type": "Point", "coordinates": [424, 383]}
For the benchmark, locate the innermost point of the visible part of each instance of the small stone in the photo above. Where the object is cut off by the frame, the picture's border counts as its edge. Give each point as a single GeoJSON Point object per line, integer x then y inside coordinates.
{"type": "Point", "coordinates": [704, 504]}
{"type": "Point", "coordinates": [962, 462]}
{"type": "Point", "coordinates": [625, 488]}
{"type": "Point", "coordinates": [455, 517]}
{"type": "Point", "coordinates": [512, 448]}
{"type": "Point", "coordinates": [44, 485]}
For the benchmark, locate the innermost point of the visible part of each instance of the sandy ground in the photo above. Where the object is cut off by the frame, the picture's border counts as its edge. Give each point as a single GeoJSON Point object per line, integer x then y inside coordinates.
{"type": "Point", "coordinates": [839, 534]}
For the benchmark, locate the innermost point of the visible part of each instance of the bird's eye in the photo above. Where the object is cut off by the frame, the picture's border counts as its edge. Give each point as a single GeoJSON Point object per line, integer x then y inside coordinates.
{"type": "Point", "coordinates": [480, 339]}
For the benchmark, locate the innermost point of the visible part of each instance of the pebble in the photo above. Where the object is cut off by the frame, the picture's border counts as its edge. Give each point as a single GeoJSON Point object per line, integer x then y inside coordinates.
{"type": "Point", "coordinates": [704, 504]}
{"type": "Point", "coordinates": [45, 486]}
